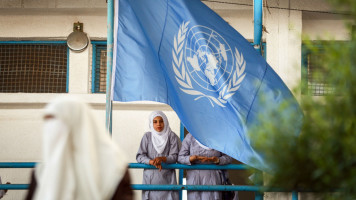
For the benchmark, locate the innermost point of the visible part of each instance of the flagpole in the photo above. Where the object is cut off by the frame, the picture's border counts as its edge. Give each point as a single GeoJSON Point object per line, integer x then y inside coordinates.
{"type": "Point", "coordinates": [109, 56]}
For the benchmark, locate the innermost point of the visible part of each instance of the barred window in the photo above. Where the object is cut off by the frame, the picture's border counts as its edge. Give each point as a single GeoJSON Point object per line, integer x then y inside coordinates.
{"type": "Point", "coordinates": [314, 76]}
{"type": "Point", "coordinates": [99, 67]}
{"type": "Point", "coordinates": [33, 67]}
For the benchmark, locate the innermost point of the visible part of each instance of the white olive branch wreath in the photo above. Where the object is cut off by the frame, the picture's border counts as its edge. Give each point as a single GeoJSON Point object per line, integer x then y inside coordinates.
{"type": "Point", "coordinates": [183, 78]}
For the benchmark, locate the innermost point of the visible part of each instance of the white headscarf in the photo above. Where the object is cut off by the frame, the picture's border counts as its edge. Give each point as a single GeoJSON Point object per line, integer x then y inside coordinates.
{"type": "Point", "coordinates": [80, 161]}
{"type": "Point", "coordinates": [159, 139]}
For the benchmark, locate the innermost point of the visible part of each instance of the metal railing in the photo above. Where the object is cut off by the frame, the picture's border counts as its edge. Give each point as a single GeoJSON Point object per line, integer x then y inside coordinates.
{"type": "Point", "coordinates": [257, 189]}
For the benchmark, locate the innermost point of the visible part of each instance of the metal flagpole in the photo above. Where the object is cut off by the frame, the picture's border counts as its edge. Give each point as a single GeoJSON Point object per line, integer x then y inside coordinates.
{"type": "Point", "coordinates": [109, 63]}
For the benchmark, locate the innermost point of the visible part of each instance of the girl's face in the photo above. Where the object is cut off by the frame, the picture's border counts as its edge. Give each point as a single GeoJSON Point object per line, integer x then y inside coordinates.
{"type": "Point", "coordinates": [158, 124]}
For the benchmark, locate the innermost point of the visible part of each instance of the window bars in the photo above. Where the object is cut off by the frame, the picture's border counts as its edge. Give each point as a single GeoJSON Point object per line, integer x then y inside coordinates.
{"type": "Point", "coordinates": [317, 76]}
{"type": "Point", "coordinates": [99, 67]}
{"type": "Point", "coordinates": [32, 67]}
{"type": "Point", "coordinates": [315, 79]}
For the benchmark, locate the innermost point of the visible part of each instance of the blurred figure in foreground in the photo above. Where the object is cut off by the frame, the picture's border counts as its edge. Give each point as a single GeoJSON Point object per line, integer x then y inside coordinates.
{"type": "Point", "coordinates": [80, 161]}
{"type": "Point", "coordinates": [3, 192]}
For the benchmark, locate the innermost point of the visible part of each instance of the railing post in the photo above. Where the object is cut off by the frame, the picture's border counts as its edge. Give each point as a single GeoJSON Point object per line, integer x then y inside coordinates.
{"type": "Point", "coordinates": [259, 178]}
{"type": "Point", "coordinates": [181, 173]}
{"type": "Point", "coordinates": [294, 195]}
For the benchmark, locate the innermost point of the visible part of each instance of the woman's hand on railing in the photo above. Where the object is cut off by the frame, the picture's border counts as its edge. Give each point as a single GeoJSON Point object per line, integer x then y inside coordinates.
{"type": "Point", "coordinates": [215, 160]}
{"type": "Point", "coordinates": [157, 162]}
{"type": "Point", "coordinates": [209, 159]}
{"type": "Point", "coordinates": [204, 159]}
{"type": "Point", "coordinates": [193, 158]}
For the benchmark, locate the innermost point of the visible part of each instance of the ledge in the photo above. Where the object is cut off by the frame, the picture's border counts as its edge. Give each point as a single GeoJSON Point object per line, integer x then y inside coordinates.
{"type": "Point", "coordinates": [97, 101]}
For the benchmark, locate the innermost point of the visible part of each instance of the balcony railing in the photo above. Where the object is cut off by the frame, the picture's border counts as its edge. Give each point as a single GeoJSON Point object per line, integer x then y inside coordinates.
{"type": "Point", "coordinates": [257, 189]}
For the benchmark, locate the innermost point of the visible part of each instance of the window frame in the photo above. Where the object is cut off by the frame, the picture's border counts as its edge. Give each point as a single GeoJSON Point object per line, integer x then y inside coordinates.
{"type": "Point", "coordinates": [93, 67]}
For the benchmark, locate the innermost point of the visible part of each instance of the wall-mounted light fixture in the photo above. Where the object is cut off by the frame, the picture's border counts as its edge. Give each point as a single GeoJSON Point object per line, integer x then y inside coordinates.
{"type": "Point", "coordinates": [77, 40]}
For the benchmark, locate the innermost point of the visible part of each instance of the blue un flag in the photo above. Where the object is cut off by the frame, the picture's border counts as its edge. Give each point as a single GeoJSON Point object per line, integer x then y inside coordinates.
{"type": "Point", "coordinates": [182, 53]}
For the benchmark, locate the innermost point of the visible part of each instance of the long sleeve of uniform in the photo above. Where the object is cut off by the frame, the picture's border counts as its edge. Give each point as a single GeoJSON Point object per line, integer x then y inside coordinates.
{"type": "Point", "coordinates": [142, 154]}
{"type": "Point", "coordinates": [184, 153]}
{"type": "Point", "coordinates": [173, 149]}
{"type": "Point", "coordinates": [224, 159]}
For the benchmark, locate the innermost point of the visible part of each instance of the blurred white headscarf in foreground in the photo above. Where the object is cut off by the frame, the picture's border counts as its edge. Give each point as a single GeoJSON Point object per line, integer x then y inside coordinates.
{"type": "Point", "coordinates": [80, 161]}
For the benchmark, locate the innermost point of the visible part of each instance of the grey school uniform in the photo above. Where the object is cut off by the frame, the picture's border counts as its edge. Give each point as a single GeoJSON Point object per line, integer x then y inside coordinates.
{"type": "Point", "coordinates": [201, 177]}
{"type": "Point", "coordinates": [146, 153]}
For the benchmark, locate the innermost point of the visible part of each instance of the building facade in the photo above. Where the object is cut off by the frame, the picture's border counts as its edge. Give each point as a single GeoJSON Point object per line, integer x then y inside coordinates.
{"type": "Point", "coordinates": [51, 21]}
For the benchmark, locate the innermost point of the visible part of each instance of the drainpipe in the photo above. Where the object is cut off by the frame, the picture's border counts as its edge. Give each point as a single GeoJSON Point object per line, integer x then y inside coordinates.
{"type": "Point", "coordinates": [257, 19]}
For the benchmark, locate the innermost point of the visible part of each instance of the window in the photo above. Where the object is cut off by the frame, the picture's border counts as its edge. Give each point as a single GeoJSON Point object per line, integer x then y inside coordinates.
{"type": "Point", "coordinates": [99, 65]}
{"type": "Point", "coordinates": [314, 76]}
{"type": "Point", "coordinates": [33, 66]}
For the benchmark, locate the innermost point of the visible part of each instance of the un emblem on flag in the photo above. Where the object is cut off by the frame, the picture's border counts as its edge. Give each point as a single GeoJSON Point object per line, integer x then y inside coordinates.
{"type": "Point", "coordinates": [208, 58]}
{"type": "Point", "coordinates": [202, 55]}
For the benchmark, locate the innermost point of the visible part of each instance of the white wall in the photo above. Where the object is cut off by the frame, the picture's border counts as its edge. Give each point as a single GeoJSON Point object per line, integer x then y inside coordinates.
{"type": "Point", "coordinates": [284, 44]}
{"type": "Point", "coordinates": [325, 28]}
{"type": "Point", "coordinates": [20, 114]}
{"type": "Point", "coordinates": [21, 122]}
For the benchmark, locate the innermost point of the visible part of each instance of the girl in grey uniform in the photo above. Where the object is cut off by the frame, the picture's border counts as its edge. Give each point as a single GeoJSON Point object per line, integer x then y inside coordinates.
{"type": "Point", "coordinates": [159, 145]}
{"type": "Point", "coordinates": [193, 152]}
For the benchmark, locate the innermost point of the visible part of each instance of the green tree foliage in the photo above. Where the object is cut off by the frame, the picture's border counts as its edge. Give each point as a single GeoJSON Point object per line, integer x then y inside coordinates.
{"type": "Point", "coordinates": [323, 157]}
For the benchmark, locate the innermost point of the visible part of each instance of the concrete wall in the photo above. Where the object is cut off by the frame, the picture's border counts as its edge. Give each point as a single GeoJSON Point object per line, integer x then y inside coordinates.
{"type": "Point", "coordinates": [21, 123]}
{"type": "Point", "coordinates": [20, 114]}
